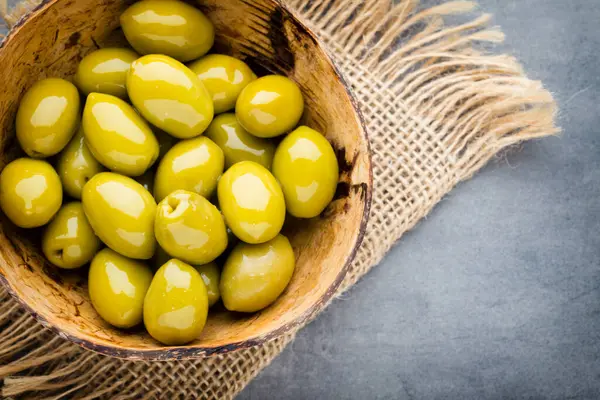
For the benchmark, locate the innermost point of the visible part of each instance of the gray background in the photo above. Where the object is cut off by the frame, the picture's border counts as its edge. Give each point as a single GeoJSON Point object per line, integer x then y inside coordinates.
{"type": "Point", "coordinates": [496, 295]}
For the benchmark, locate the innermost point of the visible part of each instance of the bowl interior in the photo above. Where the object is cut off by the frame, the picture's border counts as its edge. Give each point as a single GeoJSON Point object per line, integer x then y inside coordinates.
{"type": "Point", "coordinates": [52, 40]}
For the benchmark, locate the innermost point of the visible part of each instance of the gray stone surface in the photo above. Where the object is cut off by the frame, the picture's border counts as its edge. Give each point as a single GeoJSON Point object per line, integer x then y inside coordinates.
{"type": "Point", "coordinates": [496, 295]}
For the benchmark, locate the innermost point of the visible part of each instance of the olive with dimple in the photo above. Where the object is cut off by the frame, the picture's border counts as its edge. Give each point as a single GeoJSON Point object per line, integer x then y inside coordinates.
{"type": "Point", "coordinates": [237, 144]}
{"type": "Point", "coordinates": [270, 106]}
{"type": "Point", "coordinates": [69, 241]}
{"type": "Point", "coordinates": [224, 77]}
{"type": "Point", "coordinates": [252, 202]}
{"type": "Point", "coordinates": [169, 96]}
{"type": "Point", "coordinates": [105, 71]}
{"type": "Point", "coordinates": [118, 287]}
{"type": "Point", "coordinates": [169, 27]}
{"type": "Point", "coordinates": [117, 136]}
{"type": "Point", "coordinates": [122, 214]}
{"type": "Point", "coordinates": [48, 117]}
{"type": "Point", "coordinates": [76, 165]}
{"type": "Point", "coordinates": [307, 170]}
{"type": "Point", "coordinates": [211, 275]}
{"type": "Point", "coordinates": [255, 275]}
{"type": "Point", "coordinates": [30, 192]}
{"type": "Point", "coordinates": [194, 165]}
{"type": "Point", "coordinates": [190, 228]}
{"type": "Point", "coordinates": [176, 304]}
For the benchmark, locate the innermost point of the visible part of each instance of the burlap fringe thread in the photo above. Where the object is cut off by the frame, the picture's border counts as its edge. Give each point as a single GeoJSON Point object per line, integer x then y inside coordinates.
{"type": "Point", "coordinates": [437, 109]}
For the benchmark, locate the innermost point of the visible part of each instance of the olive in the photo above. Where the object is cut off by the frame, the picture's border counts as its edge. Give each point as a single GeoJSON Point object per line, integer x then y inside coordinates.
{"type": "Point", "coordinates": [117, 136]}
{"type": "Point", "coordinates": [69, 241]}
{"type": "Point", "coordinates": [194, 165]}
{"type": "Point", "coordinates": [306, 168]}
{"type": "Point", "coordinates": [48, 117]}
{"type": "Point", "coordinates": [174, 28]}
{"type": "Point", "coordinates": [270, 106]}
{"type": "Point", "coordinates": [224, 77]}
{"type": "Point", "coordinates": [169, 96]}
{"type": "Point", "coordinates": [237, 144]}
{"type": "Point", "coordinates": [117, 287]}
{"type": "Point", "coordinates": [211, 275]}
{"type": "Point", "coordinates": [104, 71]}
{"type": "Point", "coordinates": [252, 202]}
{"type": "Point", "coordinates": [190, 228]}
{"type": "Point", "coordinates": [255, 275]}
{"type": "Point", "coordinates": [30, 192]}
{"type": "Point", "coordinates": [122, 214]}
{"type": "Point", "coordinates": [176, 304]}
{"type": "Point", "coordinates": [76, 165]}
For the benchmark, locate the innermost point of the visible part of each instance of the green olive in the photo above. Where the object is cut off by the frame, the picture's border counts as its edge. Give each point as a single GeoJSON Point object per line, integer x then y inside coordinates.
{"type": "Point", "coordinates": [190, 228]}
{"type": "Point", "coordinates": [211, 275]}
{"type": "Point", "coordinates": [237, 144]}
{"type": "Point", "coordinates": [194, 165]}
{"type": "Point", "coordinates": [105, 71]}
{"type": "Point", "coordinates": [118, 286]}
{"type": "Point", "coordinates": [169, 96]}
{"type": "Point", "coordinates": [121, 213]}
{"type": "Point", "coordinates": [176, 305]}
{"type": "Point", "coordinates": [117, 136]}
{"type": "Point", "coordinates": [30, 192]}
{"type": "Point", "coordinates": [76, 165]}
{"type": "Point", "coordinates": [270, 106]}
{"type": "Point", "coordinates": [255, 275]}
{"type": "Point", "coordinates": [174, 28]}
{"type": "Point", "coordinates": [252, 202]}
{"type": "Point", "coordinates": [48, 117]}
{"type": "Point", "coordinates": [307, 170]}
{"type": "Point", "coordinates": [69, 241]}
{"type": "Point", "coordinates": [224, 77]}
{"type": "Point", "coordinates": [147, 180]}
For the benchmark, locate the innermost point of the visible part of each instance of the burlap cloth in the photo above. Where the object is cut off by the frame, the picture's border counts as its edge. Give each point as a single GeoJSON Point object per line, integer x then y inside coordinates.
{"type": "Point", "coordinates": [437, 108]}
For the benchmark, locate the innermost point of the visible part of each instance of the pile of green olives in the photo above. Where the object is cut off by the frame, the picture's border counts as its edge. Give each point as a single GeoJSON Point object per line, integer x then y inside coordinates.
{"type": "Point", "coordinates": [164, 177]}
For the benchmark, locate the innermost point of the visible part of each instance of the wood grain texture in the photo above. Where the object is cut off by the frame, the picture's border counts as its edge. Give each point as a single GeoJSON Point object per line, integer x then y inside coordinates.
{"type": "Point", "coordinates": [53, 38]}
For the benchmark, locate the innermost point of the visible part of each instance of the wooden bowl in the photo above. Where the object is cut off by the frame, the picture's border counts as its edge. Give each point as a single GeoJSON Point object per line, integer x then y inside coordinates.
{"type": "Point", "coordinates": [52, 39]}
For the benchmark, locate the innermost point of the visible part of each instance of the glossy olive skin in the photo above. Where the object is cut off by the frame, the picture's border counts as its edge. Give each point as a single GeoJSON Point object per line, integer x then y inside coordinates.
{"type": "Point", "coordinates": [237, 144]}
{"type": "Point", "coordinates": [168, 27]}
{"type": "Point", "coordinates": [48, 117]}
{"type": "Point", "coordinates": [252, 202]}
{"type": "Point", "coordinates": [194, 165]}
{"type": "Point", "coordinates": [117, 287]}
{"type": "Point", "coordinates": [122, 214]}
{"type": "Point", "coordinates": [224, 77]}
{"type": "Point", "coordinates": [270, 106]}
{"type": "Point", "coordinates": [76, 165]}
{"type": "Point", "coordinates": [176, 305]}
{"type": "Point", "coordinates": [211, 275]}
{"type": "Point", "coordinates": [117, 136]}
{"type": "Point", "coordinates": [30, 192]}
{"type": "Point", "coordinates": [255, 275]}
{"type": "Point", "coordinates": [69, 241]}
{"type": "Point", "coordinates": [169, 96]}
{"type": "Point", "coordinates": [105, 71]}
{"type": "Point", "coordinates": [307, 170]}
{"type": "Point", "coordinates": [190, 228]}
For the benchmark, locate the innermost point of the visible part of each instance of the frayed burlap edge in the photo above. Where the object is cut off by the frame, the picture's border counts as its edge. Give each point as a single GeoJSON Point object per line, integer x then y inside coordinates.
{"type": "Point", "coordinates": [437, 108]}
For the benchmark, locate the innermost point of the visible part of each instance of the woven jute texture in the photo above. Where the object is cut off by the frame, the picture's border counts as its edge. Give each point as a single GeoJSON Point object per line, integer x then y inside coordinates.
{"type": "Point", "coordinates": [437, 107]}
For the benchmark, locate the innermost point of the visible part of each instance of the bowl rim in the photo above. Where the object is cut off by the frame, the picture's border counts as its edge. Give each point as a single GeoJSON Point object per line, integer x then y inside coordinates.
{"type": "Point", "coordinates": [186, 352]}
